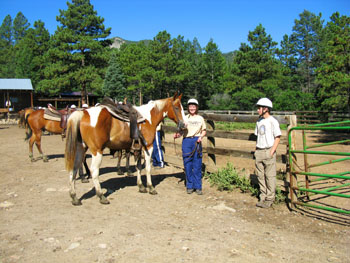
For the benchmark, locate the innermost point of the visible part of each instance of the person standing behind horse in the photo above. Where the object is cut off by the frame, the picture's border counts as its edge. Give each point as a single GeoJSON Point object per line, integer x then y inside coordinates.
{"type": "Point", "coordinates": [268, 135]}
{"type": "Point", "coordinates": [157, 154]}
{"type": "Point", "coordinates": [192, 147]}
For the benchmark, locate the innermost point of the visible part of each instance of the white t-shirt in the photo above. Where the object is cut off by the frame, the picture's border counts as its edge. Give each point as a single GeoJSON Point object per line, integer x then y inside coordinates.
{"type": "Point", "coordinates": [195, 126]}
{"type": "Point", "coordinates": [267, 130]}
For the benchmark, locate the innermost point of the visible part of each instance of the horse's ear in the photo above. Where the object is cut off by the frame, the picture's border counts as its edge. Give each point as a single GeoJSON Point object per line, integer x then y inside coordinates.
{"type": "Point", "coordinates": [175, 96]}
{"type": "Point", "coordinates": [180, 96]}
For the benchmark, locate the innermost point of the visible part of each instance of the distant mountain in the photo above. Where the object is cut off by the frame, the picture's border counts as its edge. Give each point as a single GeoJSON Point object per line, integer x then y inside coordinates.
{"type": "Point", "coordinates": [118, 41]}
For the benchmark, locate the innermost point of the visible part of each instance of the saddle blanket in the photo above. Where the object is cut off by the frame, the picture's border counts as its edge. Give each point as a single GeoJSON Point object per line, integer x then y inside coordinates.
{"type": "Point", "coordinates": [52, 118]}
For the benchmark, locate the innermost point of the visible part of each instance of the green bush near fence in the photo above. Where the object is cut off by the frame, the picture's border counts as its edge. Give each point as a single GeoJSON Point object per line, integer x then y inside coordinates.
{"type": "Point", "coordinates": [230, 178]}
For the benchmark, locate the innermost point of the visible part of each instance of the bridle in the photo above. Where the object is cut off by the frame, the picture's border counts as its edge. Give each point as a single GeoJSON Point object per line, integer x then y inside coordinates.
{"type": "Point", "coordinates": [177, 119]}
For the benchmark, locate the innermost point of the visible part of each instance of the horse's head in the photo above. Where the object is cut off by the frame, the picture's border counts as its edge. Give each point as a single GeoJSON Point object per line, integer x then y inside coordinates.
{"type": "Point", "coordinates": [176, 112]}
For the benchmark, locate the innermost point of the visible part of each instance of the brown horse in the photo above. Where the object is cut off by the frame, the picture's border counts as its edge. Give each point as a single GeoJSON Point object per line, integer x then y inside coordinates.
{"type": "Point", "coordinates": [119, 155]}
{"type": "Point", "coordinates": [97, 129]}
{"type": "Point", "coordinates": [36, 125]}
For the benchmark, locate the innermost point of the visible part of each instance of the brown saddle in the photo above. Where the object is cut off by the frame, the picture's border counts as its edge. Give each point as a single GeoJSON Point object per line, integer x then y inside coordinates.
{"type": "Point", "coordinates": [126, 112]}
{"type": "Point", "coordinates": [59, 115]}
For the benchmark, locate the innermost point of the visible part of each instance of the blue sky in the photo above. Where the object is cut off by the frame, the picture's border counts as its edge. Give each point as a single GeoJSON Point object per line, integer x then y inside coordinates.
{"type": "Point", "coordinates": [226, 22]}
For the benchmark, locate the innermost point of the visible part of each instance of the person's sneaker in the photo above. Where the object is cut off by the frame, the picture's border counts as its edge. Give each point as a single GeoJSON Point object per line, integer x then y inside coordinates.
{"type": "Point", "coordinates": [267, 204]}
{"type": "Point", "coordinates": [190, 191]}
{"type": "Point", "coordinates": [260, 204]}
{"type": "Point", "coordinates": [199, 192]}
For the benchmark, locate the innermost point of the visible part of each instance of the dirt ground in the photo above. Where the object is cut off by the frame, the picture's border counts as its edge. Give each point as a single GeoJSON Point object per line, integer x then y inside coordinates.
{"type": "Point", "coordinates": [38, 223]}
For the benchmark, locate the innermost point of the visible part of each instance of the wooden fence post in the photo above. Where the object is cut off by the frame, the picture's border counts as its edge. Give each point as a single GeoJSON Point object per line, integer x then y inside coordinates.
{"type": "Point", "coordinates": [210, 156]}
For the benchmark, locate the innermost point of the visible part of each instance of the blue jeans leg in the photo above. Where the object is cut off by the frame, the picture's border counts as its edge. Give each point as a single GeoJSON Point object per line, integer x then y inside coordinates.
{"type": "Point", "coordinates": [192, 163]}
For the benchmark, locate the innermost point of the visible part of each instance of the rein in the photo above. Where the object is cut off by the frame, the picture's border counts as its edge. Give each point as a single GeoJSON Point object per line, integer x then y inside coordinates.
{"type": "Point", "coordinates": [190, 154]}
{"type": "Point", "coordinates": [196, 148]}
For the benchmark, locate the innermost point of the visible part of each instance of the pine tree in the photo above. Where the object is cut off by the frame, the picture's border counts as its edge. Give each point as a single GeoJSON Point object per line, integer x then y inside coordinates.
{"type": "Point", "coordinates": [30, 55]}
{"type": "Point", "coordinates": [307, 37]}
{"type": "Point", "coordinates": [258, 73]}
{"type": "Point", "coordinates": [79, 53]}
{"type": "Point", "coordinates": [20, 27]}
{"type": "Point", "coordinates": [7, 61]}
{"type": "Point", "coordinates": [334, 72]}
{"type": "Point", "coordinates": [136, 64]}
{"type": "Point", "coordinates": [212, 72]}
{"type": "Point", "coordinates": [114, 84]}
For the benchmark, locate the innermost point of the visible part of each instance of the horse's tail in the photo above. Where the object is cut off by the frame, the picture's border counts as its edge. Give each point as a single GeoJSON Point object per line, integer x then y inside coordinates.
{"type": "Point", "coordinates": [29, 131]}
{"type": "Point", "coordinates": [73, 138]}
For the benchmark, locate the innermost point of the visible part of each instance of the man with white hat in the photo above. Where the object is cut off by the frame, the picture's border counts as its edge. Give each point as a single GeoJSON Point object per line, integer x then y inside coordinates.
{"type": "Point", "coordinates": [268, 135]}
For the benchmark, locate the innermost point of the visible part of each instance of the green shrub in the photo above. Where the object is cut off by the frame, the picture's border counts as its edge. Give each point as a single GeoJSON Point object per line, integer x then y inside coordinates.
{"type": "Point", "coordinates": [229, 178]}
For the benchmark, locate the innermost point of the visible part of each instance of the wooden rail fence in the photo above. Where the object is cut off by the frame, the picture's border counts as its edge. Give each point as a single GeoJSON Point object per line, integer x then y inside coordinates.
{"type": "Point", "coordinates": [211, 152]}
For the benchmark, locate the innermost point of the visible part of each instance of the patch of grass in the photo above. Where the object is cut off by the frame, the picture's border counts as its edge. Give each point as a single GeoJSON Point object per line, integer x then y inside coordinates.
{"type": "Point", "coordinates": [229, 178]}
{"type": "Point", "coordinates": [232, 126]}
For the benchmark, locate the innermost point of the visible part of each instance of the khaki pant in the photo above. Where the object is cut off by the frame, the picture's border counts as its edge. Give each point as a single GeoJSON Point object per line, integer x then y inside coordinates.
{"type": "Point", "coordinates": [266, 171]}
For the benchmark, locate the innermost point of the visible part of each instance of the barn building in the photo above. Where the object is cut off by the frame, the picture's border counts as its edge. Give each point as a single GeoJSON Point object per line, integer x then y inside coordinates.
{"type": "Point", "coordinates": [15, 94]}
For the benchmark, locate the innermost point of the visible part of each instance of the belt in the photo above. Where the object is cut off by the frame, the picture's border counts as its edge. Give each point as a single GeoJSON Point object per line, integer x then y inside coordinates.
{"type": "Point", "coordinates": [263, 148]}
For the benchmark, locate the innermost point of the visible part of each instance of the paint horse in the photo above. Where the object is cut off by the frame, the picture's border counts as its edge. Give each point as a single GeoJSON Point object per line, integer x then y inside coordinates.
{"type": "Point", "coordinates": [95, 129]}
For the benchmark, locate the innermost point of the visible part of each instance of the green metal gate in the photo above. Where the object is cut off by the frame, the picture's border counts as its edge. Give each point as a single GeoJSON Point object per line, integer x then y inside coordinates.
{"type": "Point", "coordinates": [304, 184]}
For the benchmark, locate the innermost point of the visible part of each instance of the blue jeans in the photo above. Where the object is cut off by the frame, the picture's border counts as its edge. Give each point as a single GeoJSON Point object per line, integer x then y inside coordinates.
{"type": "Point", "coordinates": [192, 157]}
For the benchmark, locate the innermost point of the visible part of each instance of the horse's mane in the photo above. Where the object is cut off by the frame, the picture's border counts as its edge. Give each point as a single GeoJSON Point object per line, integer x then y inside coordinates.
{"type": "Point", "coordinates": [145, 109]}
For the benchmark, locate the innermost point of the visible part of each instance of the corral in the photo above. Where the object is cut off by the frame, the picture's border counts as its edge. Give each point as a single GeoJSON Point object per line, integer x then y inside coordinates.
{"type": "Point", "coordinates": [39, 224]}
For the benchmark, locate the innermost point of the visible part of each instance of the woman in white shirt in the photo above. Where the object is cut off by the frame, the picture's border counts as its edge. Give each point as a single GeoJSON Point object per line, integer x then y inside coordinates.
{"type": "Point", "coordinates": [192, 147]}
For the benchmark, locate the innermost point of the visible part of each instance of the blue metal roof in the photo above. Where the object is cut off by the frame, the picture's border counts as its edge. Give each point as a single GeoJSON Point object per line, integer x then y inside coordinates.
{"type": "Point", "coordinates": [16, 84]}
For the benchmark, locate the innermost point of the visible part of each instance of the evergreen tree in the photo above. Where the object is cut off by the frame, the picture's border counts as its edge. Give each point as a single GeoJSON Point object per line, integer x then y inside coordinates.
{"type": "Point", "coordinates": [162, 63]}
{"type": "Point", "coordinates": [194, 85]}
{"type": "Point", "coordinates": [30, 55]}
{"type": "Point", "coordinates": [79, 53]}
{"type": "Point", "coordinates": [212, 72]}
{"type": "Point", "coordinates": [20, 27]}
{"type": "Point", "coordinates": [7, 61]}
{"type": "Point", "coordinates": [114, 85]}
{"type": "Point", "coordinates": [334, 72]}
{"type": "Point", "coordinates": [136, 64]}
{"type": "Point", "coordinates": [306, 37]}
{"type": "Point", "coordinates": [258, 71]}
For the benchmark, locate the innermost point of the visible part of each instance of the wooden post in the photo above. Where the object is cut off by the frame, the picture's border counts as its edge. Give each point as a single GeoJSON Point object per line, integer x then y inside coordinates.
{"type": "Point", "coordinates": [31, 99]}
{"type": "Point", "coordinates": [210, 157]}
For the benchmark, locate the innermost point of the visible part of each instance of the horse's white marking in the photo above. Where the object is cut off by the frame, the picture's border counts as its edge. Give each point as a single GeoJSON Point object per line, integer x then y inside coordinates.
{"type": "Point", "coordinates": [145, 110]}
{"type": "Point", "coordinates": [94, 112]}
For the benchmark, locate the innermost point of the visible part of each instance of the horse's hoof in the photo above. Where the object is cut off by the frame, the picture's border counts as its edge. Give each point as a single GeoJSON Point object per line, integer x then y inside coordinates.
{"type": "Point", "coordinates": [104, 200]}
{"type": "Point", "coordinates": [76, 202]}
{"type": "Point", "coordinates": [84, 180]}
{"type": "Point", "coordinates": [119, 172]}
{"type": "Point", "coordinates": [153, 192]}
{"type": "Point", "coordinates": [32, 160]}
{"type": "Point", "coordinates": [142, 190]}
{"type": "Point", "coordinates": [45, 159]}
